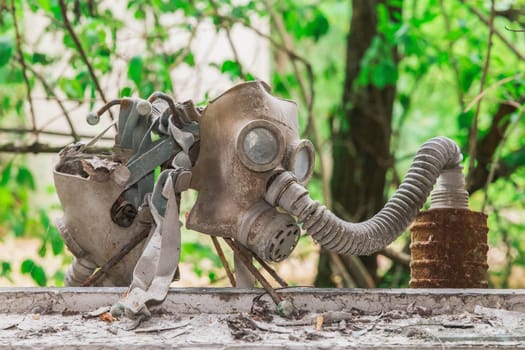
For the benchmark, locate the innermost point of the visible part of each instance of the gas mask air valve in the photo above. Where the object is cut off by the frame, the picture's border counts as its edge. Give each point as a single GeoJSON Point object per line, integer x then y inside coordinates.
{"type": "Point", "coordinates": [268, 233]}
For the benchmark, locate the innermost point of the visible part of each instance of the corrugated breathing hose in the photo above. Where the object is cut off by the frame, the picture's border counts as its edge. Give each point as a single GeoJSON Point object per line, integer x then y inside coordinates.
{"type": "Point", "coordinates": [367, 237]}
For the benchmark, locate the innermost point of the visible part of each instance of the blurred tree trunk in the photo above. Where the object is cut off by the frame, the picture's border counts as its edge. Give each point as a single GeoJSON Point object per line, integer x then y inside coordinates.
{"type": "Point", "coordinates": [361, 136]}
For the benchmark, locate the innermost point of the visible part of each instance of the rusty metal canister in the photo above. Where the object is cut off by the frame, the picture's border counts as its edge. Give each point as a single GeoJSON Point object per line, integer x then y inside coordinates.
{"type": "Point", "coordinates": [449, 249]}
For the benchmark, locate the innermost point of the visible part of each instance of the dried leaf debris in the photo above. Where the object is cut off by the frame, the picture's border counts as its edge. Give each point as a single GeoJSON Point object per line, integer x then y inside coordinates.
{"type": "Point", "coordinates": [343, 328]}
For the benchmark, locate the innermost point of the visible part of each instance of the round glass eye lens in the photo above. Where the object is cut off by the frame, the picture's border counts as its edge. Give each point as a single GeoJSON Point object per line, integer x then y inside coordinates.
{"type": "Point", "coordinates": [260, 146]}
{"type": "Point", "coordinates": [301, 164]}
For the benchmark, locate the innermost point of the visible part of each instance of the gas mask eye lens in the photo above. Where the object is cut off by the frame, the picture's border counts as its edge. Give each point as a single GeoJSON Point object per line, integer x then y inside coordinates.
{"type": "Point", "coordinates": [260, 146]}
{"type": "Point", "coordinates": [301, 164]}
{"type": "Point", "coordinates": [301, 160]}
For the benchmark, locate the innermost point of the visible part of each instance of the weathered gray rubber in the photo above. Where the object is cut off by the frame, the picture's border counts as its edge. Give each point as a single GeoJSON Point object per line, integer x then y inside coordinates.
{"type": "Point", "coordinates": [376, 233]}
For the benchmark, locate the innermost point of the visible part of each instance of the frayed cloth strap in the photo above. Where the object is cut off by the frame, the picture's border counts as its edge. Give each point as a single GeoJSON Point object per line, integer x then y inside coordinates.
{"type": "Point", "coordinates": [156, 267]}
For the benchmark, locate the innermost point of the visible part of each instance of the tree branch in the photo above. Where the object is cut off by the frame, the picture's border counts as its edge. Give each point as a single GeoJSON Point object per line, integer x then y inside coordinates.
{"type": "Point", "coordinates": [343, 270]}
{"type": "Point", "coordinates": [41, 148]}
{"type": "Point", "coordinates": [24, 68]}
{"type": "Point", "coordinates": [495, 161]}
{"type": "Point", "coordinates": [224, 261]}
{"type": "Point", "coordinates": [235, 54]}
{"type": "Point", "coordinates": [82, 52]}
{"type": "Point", "coordinates": [293, 55]}
{"type": "Point", "coordinates": [453, 60]}
{"type": "Point", "coordinates": [50, 91]}
{"type": "Point", "coordinates": [515, 30]}
{"type": "Point", "coordinates": [47, 132]}
{"type": "Point", "coordinates": [473, 134]}
{"type": "Point", "coordinates": [230, 41]}
{"type": "Point", "coordinates": [308, 95]}
{"type": "Point", "coordinates": [486, 21]}
{"type": "Point", "coordinates": [358, 271]}
{"type": "Point", "coordinates": [487, 147]}
{"type": "Point", "coordinates": [396, 256]}
{"type": "Point", "coordinates": [512, 14]}
{"type": "Point", "coordinates": [492, 87]}
{"type": "Point", "coordinates": [128, 247]}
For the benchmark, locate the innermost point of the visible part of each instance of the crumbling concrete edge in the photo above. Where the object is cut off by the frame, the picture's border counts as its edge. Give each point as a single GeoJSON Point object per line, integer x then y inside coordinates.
{"type": "Point", "coordinates": [225, 300]}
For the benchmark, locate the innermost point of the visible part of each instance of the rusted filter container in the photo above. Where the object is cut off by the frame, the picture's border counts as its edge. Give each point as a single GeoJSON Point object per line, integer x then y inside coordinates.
{"type": "Point", "coordinates": [449, 249]}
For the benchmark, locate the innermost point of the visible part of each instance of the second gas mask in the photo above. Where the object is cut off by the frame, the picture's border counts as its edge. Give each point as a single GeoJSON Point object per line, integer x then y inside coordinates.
{"type": "Point", "coordinates": [247, 136]}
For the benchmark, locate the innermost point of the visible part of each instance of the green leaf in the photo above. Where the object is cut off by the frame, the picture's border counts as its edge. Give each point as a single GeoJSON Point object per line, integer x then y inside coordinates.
{"type": "Point", "coordinates": [139, 14]}
{"type": "Point", "coordinates": [232, 68]}
{"type": "Point", "coordinates": [404, 100]}
{"type": "Point", "coordinates": [197, 251]}
{"type": "Point", "coordinates": [27, 266]}
{"type": "Point", "coordinates": [238, 12]}
{"type": "Point", "coordinates": [44, 218]}
{"type": "Point", "coordinates": [25, 178]}
{"type": "Point", "coordinates": [125, 91]}
{"type": "Point", "coordinates": [45, 5]}
{"type": "Point", "coordinates": [36, 271]}
{"type": "Point", "coordinates": [58, 278]}
{"type": "Point", "coordinates": [6, 174]}
{"type": "Point", "coordinates": [39, 275]}
{"type": "Point", "coordinates": [465, 119]}
{"type": "Point", "coordinates": [212, 276]}
{"type": "Point", "coordinates": [135, 69]}
{"type": "Point", "coordinates": [18, 227]}
{"type": "Point", "coordinates": [102, 63]}
{"type": "Point", "coordinates": [470, 70]}
{"type": "Point", "coordinates": [92, 37]}
{"type": "Point", "coordinates": [6, 204]}
{"type": "Point", "coordinates": [306, 21]}
{"type": "Point", "coordinates": [6, 102]}
{"type": "Point", "coordinates": [197, 270]}
{"type": "Point", "coordinates": [69, 42]}
{"type": "Point", "coordinates": [384, 74]}
{"type": "Point", "coordinates": [11, 76]}
{"type": "Point", "coordinates": [43, 249]}
{"type": "Point", "coordinates": [6, 50]}
{"type": "Point", "coordinates": [6, 269]}
{"type": "Point", "coordinates": [71, 87]}
{"type": "Point", "coordinates": [189, 59]}
{"type": "Point", "coordinates": [514, 159]}
{"type": "Point", "coordinates": [147, 88]}
{"type": "Point", "coordinates": [40, 58]}
{"type": "Point", "coordinates": [319, 26]}
{"type": "Point", "coordinates": [57, 244]}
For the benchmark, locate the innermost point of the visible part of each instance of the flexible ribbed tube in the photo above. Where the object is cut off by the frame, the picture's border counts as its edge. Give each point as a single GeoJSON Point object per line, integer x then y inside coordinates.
{"type": "Point", "coordinates": [376, 233]}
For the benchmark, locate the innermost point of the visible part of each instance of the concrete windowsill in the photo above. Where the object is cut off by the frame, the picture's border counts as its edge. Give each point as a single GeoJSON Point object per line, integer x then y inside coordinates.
{"type": "Point", "coordinates": [55, 318]}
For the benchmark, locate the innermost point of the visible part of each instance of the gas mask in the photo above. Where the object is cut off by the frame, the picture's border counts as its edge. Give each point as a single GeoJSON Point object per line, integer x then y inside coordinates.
{"type": "Point", "coordinates": [87, 227]}
{"type": "Point", "coordinates": [247, 136]}
{"type": "Point", "coordinates": [109, 199]}
{"type": "Point", "coordinates": [243, 155]}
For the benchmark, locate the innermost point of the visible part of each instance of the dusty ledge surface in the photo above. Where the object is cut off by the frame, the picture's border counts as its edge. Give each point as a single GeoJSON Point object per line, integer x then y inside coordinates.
{"type": "Point", "coordinates": [224, 318]}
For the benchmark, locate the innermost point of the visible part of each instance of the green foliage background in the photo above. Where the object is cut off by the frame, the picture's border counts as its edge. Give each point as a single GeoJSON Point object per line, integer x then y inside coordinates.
{"type": "Point", "coordinates": [443, 47]}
